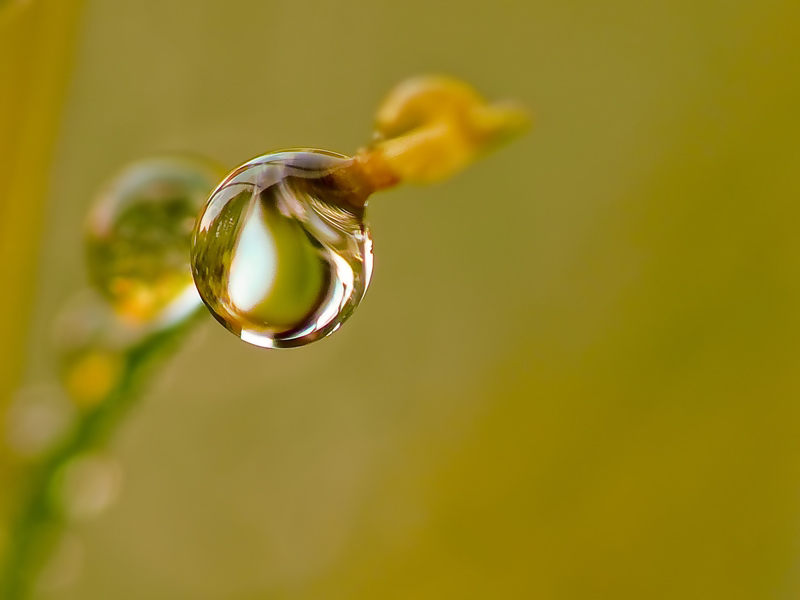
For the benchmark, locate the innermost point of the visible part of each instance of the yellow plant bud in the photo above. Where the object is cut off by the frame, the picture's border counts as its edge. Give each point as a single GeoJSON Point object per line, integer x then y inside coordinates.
{"type": "Point", "coordinates": [92, 376]}
{"type": "Point", "coordinates": [430, 128]}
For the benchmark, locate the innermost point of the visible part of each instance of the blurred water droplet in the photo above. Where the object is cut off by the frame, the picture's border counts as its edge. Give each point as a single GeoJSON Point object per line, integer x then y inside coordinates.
{"type": "Point", "coordinates": [38, 417]}
{"type": "Point", "coordinates": [87, 485]}
{"type": "Point", "coordinates": [138, 236]}
{"type": "Point", "coordinates": [281, 254]}
{"type": "Point", "coordinates": [64, 566]}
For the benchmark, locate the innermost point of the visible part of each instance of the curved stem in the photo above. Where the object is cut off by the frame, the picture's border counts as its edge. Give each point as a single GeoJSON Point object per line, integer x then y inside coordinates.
{"type": "Point", "coordinates": [40, 519]}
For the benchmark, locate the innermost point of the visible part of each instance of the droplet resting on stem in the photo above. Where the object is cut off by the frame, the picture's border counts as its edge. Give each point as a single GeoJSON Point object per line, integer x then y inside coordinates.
{"type": "Point", "coordinates": [281, 252]}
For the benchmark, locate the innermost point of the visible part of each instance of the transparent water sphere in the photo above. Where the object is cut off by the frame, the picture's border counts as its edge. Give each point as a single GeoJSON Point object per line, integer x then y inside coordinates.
{"type": "Point", "coordinates": [138, 236]}
{"type": "Point", "coordinates": [281, 254]}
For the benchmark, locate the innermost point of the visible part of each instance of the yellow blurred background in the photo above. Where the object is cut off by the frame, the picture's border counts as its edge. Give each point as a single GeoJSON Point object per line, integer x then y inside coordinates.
{"type": "Point", "coordinates": [575, 374]}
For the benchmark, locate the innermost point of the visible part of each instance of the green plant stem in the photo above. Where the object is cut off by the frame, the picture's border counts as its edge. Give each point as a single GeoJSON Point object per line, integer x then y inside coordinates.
{"type": "Point", "coordinates": [40, 519]}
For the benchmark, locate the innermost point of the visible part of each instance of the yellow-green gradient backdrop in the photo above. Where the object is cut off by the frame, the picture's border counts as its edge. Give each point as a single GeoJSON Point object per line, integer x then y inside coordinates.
{"type": "Point", "coordinates": [577, 372]}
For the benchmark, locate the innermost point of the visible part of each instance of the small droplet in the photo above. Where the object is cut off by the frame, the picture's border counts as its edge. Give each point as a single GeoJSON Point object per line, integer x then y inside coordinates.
{"type": "Point", "coordinates": [63, 567]}
{"type": "Point", "coordinates": [87, 485]}
{"type": "Point", "coordinates": [281, 254]}
{"type": "Point", "coordinates": [38, 418]}
{"type": "Point", "coordinates": [139, 232]}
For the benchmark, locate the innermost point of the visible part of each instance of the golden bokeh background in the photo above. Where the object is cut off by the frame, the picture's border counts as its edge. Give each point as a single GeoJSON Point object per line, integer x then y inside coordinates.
{"type": "Point", "coordinates": [576, 372]}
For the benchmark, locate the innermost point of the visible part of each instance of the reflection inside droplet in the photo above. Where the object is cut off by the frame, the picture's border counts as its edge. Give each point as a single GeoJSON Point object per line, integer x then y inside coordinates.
{"type": "Point", "coordinates": [281, 254]}
{"type": "Point", "coordinates": [255, 250]}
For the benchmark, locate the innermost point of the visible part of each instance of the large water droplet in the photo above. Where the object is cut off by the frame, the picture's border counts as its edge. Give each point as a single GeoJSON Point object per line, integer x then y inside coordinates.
{"type": "Point", "coordinates": [139, 232]}
{"type": "Point", "coordinates": [281, 254]}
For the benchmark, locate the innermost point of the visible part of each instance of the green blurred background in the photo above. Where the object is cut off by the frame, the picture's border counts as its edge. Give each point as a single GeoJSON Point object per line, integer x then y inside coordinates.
{"type": "Point", "coordinates": [576, 372]}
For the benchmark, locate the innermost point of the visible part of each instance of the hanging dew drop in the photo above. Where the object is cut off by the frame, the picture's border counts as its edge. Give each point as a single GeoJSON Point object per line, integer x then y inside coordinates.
{"type": "Point", "coordinates": [281, 254]}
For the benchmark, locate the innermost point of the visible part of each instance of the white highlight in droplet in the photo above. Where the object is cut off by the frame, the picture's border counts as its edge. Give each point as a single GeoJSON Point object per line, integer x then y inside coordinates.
{"type": "Point", "coordinates": [254, 263]}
